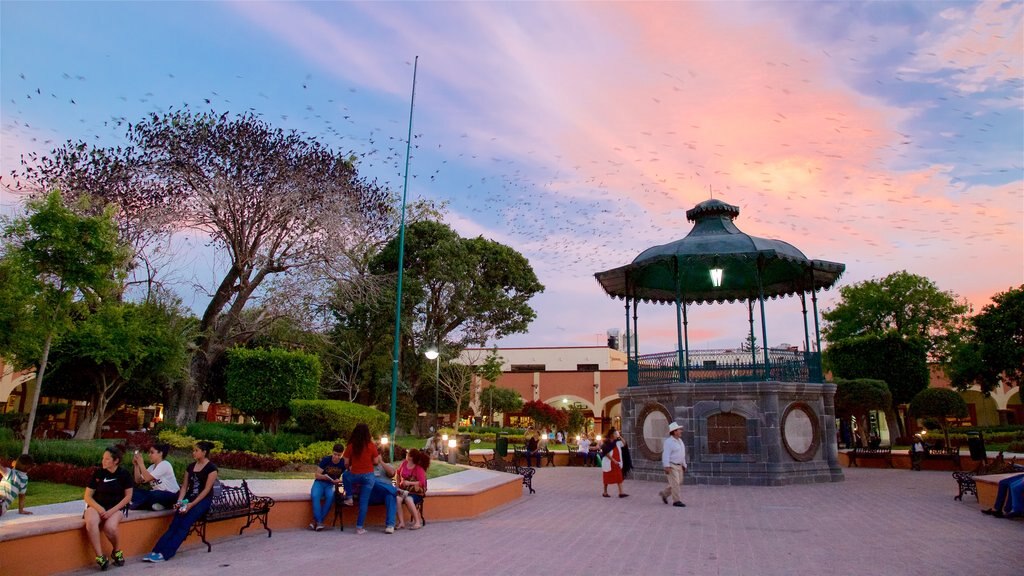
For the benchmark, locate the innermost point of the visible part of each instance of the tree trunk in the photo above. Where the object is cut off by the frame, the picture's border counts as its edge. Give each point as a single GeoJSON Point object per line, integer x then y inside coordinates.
{"type": "Point", "coordinates": [89, 427]}
{"type": "Point", "coordinates": [895, 433]}
{"type": "Point", "coordinates": [30, 425]}
{"type": "Point", "coordinates": [185, 397]}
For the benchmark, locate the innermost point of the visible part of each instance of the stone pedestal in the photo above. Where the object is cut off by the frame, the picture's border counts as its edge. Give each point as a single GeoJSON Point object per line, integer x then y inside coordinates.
{"type": "Point", "coordinates": [742, 433]}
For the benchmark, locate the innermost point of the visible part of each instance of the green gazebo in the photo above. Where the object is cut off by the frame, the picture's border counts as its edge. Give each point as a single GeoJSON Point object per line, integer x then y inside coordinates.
{"type": "Point", "coordinates": [756, 417]}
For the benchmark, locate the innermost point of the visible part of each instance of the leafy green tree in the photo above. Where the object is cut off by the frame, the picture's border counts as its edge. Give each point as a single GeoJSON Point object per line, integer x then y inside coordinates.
{"type": "Point", "coordinates": [993, 345]}
{"type": "Point", "coordinates": [899, 361]}
{"type": "Point", "coordinates": [939, 403]}
{"type": "Point", "coordinates": [856, 398]}
{"type": "Point", "coordinates": [907, 304]}
{"type": "Point", "coordinates": [262, 382]}
{"type": "Point", "coordinates": [456, 292]}
{"type": "Point", "coordinates": [576, 421]}
{"type": "Point", "coordinates": [56, 257]}
{"type": "Point", "coordinates": [503, 400]}
{"type": "Point", "coordinates": [119, 353]}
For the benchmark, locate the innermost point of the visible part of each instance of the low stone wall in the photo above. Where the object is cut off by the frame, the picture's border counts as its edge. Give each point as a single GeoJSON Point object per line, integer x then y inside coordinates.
{"type": "Point", "coordinates": [27, 548]}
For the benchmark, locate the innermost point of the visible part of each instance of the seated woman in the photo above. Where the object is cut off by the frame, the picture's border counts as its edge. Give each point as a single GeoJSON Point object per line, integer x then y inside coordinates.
{"type": "Point", "coordinates": [412, 486]}
{"type": "Point", "coordinates": [325, 480]}
{"type": "Point", "coordinates": [107, 498]}
{"type": "Point", "coordinates": [194, 499]}
{"type": "Point", "coordinates": [435, 446]}
{"type": "Point", "coordinates": [163, 492]}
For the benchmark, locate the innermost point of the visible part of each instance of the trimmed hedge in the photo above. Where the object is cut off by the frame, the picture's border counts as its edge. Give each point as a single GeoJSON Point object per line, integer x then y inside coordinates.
{"type": "Point", "coordinates": [244, 437]}
{"type": "Point", "coordinates": [327, 419]}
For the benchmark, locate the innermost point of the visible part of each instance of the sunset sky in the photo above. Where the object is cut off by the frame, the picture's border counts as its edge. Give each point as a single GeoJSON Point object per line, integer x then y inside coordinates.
{"type": "Point", "coordinates": [888, 136]}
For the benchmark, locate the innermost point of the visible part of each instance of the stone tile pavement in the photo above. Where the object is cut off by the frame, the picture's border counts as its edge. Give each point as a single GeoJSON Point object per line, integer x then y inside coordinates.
{"type": "Point", "coordinates": [892, 522]}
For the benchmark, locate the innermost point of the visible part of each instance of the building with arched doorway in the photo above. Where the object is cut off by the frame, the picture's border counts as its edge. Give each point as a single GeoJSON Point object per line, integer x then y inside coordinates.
{"type": "Point", "coordinates": [586, 376]}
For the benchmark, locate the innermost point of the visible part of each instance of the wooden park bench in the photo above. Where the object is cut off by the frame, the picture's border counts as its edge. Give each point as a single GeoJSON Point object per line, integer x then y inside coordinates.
{"type": "Point", "coordinates": [499, 464]}
{"type": "Point", "coordinates": [947, 454]}
{"type": "Point", "coordinates": [234, 502]}
{"type": "Point", "coordinates": [864, 453]}
{"type": "Point", "coordinates": [519, 455]}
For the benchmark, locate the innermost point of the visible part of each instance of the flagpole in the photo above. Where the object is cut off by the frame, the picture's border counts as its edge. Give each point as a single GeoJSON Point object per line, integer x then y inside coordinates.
{"type": "Point", "coordinates": [401, 265]}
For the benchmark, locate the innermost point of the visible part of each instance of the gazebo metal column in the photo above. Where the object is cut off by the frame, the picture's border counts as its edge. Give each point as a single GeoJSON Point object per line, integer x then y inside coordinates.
{"type": "Point", "coordinates": [807, 336]}
{"type": "Point", "coordinates": [630, 376]}
{"type": "Point", "coordinates": [679, 326]}
{"type": "Point", "coordinates": [750, 318]}
{"type": "Point", "coordinates": [764, 328]}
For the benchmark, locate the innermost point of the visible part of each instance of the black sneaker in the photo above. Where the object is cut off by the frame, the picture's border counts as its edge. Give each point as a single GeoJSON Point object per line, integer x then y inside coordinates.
{"type": "Point", "coordinates": [118, 557]}
{"type": "Point", "coordinates": [102, 562]}
{"type": "Point", "coordinates": [679, 505]}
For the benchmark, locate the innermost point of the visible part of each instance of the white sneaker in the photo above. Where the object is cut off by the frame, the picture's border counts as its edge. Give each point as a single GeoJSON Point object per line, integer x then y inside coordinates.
{"type": "Point", "coordinates": [389, 530]}
{"type": "Point", "coordinates": [158, 507]}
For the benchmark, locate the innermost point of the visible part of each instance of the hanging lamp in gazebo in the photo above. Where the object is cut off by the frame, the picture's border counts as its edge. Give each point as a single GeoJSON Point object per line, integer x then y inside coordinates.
{"type": "Point", "coordinates": [750, 418]}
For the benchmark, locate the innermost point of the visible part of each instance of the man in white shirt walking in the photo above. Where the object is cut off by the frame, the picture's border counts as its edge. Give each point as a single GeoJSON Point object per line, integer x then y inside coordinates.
{"type": "Point", "coordinates": [673, 459]}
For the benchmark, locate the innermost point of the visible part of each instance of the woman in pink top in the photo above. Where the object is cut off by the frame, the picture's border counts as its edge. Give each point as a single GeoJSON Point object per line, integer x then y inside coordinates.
{"type": "Point", "coordinates": [412, 486]}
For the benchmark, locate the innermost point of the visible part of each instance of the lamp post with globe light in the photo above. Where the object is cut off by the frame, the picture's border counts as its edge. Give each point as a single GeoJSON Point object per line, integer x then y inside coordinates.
{"type": "Point", "coordinates": [433, 354]}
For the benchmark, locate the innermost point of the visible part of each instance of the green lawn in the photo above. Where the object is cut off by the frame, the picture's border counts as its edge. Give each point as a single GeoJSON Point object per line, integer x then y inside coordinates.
{"type": "Point", "coordinates": [41, 493]}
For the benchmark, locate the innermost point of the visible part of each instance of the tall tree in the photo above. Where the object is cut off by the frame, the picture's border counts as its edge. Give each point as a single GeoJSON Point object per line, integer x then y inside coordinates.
{"type": "Point", "coordinates": [993, 345]}
{"type": "Point", "coordinates": [56, 258]}
{"type": "Point", "coordinates": [121, 352]}
{"type": "Point", "coordinates": [904, 303]}
{"type": "Point", "coordinates": [503, 400]}
{"type": "Point", "coordinates": [271, 202]}
{"type": "Point", "coordinates": [455, 383]}
{"type": "Point", "coordinates": [456, 291]}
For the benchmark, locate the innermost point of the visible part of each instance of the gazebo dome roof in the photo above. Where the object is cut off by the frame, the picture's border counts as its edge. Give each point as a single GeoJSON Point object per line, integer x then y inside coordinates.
{"type": "Point", "coordinates": [750, 264]}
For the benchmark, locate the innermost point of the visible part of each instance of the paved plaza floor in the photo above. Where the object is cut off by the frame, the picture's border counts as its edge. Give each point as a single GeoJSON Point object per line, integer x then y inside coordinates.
{"type": "Point", "coordinates": [891, 522]}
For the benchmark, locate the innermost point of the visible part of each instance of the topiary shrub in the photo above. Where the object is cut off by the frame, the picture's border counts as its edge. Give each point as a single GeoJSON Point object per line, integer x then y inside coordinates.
{"type": "Point", "coordinates": [326, 419]}
{"type": "Point", "coordinates": [262, 382]}
{"type": "Point", "coordinates": [939, 403]}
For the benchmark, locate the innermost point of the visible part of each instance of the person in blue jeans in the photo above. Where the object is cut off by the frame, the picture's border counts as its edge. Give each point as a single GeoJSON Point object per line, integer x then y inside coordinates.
{"type": "Point", "coordinates": [383, 492]}
{"type": "Point", "coordinates": [327, 478]}
{"type": "Point", "coordinates": [360, 458]}
{"type": "Point", "coordinates": [1014, 507]}
{"type": "Point", "coordinates": [194, 500]}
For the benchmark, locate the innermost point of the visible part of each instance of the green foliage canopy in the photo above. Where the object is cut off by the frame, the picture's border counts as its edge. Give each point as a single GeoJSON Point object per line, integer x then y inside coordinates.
{"type": "Point", "coordinates": [939, 403]}
{"type": "Point", "coordinates": [331, 419]}
{"type": "Point", "coordinates": [904, 303]}
{"type": "Point", "coordinates": [993, 345]}
{"type": "Point", "coordinates": [899, 361]}
{"type": "Point", "coordinates": [54, 257]}
{"type": "Point", "coordinates": [264, 381]}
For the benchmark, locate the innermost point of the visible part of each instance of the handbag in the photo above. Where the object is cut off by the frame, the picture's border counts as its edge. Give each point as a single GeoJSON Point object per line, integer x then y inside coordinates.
{"type": "Point", "coordinates": [606, 464]}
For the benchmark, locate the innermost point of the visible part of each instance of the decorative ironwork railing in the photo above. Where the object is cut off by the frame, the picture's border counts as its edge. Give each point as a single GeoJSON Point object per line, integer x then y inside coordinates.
{"type": "Point", "coordinates": [725, 366]}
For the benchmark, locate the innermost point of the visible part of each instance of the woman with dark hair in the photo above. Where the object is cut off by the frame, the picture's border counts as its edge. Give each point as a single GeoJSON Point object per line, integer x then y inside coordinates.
{"type": "Point", "coordinates": [611, 463]}
{"type": "Point", "coordinates": [163, 492]}
{"type": "Point", "coordinates": [360, 458]}
{"type": "Point", "coordinates": [412, 486]}
{"type": "Point", "coordinates": [107, 497]}
{"type": "Point", "coordinates": [194, 499]}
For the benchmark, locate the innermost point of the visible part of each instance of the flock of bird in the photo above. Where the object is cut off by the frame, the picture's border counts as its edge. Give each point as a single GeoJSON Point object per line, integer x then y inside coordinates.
{"type": "Point", "coordinates": [573, 217]}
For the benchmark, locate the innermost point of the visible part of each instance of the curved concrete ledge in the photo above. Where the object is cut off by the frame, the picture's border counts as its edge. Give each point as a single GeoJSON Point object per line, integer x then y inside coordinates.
{"type": "Point", "coordinates": [53, 539]}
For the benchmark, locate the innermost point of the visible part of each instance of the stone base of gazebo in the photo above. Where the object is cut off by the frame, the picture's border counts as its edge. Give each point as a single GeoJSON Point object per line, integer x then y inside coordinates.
{"type": "Point", "coordinates": [736, 433]}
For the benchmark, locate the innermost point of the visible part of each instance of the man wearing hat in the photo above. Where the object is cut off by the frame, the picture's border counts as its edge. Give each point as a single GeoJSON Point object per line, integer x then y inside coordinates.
{"type": "Point", "coordinates": [917, 451]}
{"type": "Point", "coordinates": [673, 459]}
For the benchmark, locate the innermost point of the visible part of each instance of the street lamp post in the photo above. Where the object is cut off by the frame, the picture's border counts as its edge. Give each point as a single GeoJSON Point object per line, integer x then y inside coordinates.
{"type": "Point", "coordinates": [433, 354]}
